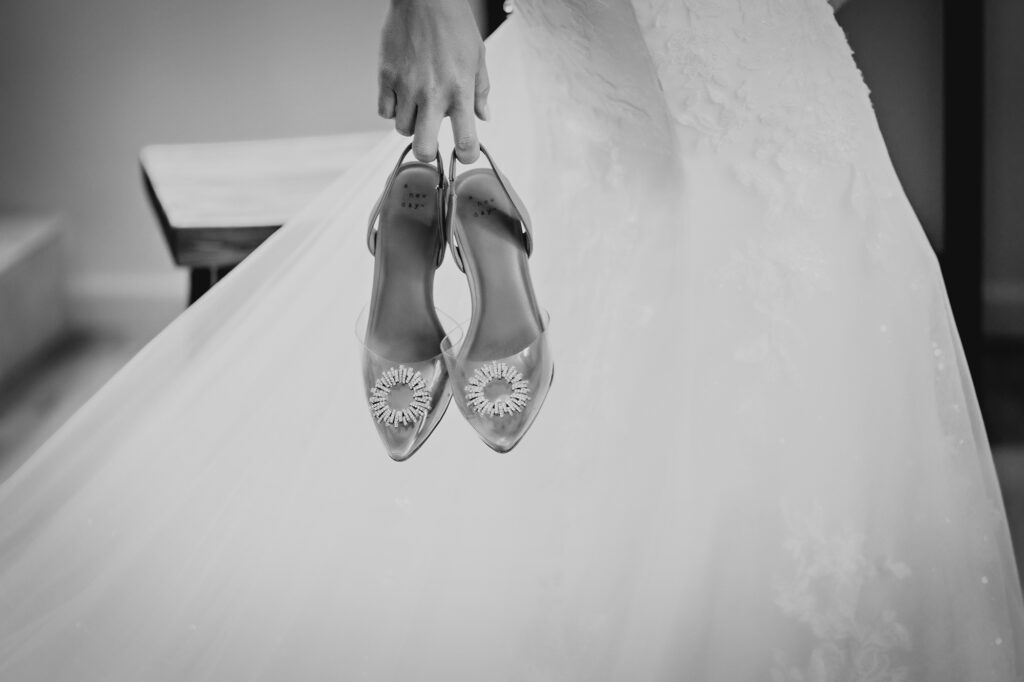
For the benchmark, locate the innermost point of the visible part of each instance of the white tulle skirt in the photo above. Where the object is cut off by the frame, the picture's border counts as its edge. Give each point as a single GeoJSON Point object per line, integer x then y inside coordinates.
{"type": "Point", "coordinates": [761, 458]}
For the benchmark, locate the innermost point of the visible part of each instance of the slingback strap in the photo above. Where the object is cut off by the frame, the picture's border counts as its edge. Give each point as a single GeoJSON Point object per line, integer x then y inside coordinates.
{"type": "Point", "coordinates": [442, 189]}
{"type": "Point", "coordinates": [517, 204]}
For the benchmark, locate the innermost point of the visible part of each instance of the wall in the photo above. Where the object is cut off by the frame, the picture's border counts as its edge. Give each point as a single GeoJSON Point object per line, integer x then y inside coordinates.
{"type": "Point", "coordinates": [1004, 168]}
{"type": "Point", "coordinates": [84, 85]}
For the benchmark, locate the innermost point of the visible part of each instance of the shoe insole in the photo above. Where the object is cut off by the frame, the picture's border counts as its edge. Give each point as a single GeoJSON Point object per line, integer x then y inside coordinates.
{"type": "Point", "coordinates": [402, 323]}
{"type": "Point", "coordinates": [506, 318]}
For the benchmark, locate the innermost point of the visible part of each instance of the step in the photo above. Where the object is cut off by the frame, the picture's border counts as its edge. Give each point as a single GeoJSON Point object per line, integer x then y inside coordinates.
{"type": "Point", "coordinates": [33, 308]}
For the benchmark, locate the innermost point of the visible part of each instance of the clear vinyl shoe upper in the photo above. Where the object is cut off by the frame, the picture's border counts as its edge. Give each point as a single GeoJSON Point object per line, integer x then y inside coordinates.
{"type": "Point", "coordinates": [404, 377]}
{"type": "Point", "coordinates": [406, 399]}
{"type": "Point", "coordinates": [500, 397]}
{"type": "Point", "coordinates": [501, 365]}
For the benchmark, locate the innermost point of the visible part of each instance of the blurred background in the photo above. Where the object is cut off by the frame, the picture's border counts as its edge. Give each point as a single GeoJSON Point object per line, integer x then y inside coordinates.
{"type": "Point", "coordinates": [89, 270]}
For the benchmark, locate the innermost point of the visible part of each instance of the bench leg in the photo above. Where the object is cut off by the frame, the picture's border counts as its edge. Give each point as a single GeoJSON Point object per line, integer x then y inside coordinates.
{"type": "Point", "coordinates": [201, 279]}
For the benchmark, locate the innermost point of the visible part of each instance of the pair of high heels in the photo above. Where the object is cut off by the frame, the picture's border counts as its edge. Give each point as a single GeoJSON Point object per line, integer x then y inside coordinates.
{"type": "Point", "coordinates": [499, 368]}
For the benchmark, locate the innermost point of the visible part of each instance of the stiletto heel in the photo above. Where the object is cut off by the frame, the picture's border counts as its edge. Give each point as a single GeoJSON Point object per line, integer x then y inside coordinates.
{"type": "Point", "coordinates": [501, 367]}
{"type": "Point", "coordinates": [404, 376]}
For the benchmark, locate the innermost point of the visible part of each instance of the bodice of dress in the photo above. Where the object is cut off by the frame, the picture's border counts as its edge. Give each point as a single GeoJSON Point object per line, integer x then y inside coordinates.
{"type": "Point", "coordinates": [758, 99]}
{"type": "Point", "coordinates": [777, 74]}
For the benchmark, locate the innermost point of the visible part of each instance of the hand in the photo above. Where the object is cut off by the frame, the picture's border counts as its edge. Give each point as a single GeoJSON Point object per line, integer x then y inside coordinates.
{"type": "Point", "coordinates": [432, 66]}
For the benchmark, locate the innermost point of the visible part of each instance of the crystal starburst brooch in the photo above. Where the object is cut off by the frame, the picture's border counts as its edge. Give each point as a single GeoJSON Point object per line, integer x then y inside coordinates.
{"type": "Point", "coordinates": [380, 397]}
{"type": "Point", "coordinates": [505, 384]}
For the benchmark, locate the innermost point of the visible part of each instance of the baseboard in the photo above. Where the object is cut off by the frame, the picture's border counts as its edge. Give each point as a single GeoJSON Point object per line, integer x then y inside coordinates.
{"type": "Point", "coordinates": [128, 304]}
{"type": "Point", "coordinates": [1004, 308]}
{"type": "Point", "coordinates": [33, 313]}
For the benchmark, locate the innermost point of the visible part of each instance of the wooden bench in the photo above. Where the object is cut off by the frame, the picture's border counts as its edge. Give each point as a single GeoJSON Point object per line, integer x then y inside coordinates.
{"type": "Point", "coordinates": [217, 202]}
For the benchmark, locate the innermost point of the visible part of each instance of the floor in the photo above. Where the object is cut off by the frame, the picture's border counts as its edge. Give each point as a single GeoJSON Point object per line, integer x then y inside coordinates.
{"type": "Point", "coordinates": [35, 402]}
{"type": "Point", "coordinates": [42, 395]}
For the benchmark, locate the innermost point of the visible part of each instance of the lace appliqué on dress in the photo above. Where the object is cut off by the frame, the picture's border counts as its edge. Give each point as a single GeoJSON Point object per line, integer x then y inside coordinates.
{"type": "Point", "coordinates": [827, 593]}
{"type": "Point", "coordinates": [775, 72]}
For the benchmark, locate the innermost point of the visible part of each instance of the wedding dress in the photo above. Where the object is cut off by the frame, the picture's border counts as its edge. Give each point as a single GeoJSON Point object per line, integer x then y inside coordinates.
{"type": "Point", "coordinates": [761, 458]}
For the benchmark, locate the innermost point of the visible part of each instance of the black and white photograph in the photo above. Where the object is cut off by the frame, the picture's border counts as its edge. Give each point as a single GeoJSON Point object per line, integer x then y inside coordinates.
{"type": "Point", "coordinates": [511, 340]}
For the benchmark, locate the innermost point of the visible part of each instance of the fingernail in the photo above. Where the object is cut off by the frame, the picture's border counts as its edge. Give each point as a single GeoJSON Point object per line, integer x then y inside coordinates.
{"type": "Point", "coordinates": [487, 112]}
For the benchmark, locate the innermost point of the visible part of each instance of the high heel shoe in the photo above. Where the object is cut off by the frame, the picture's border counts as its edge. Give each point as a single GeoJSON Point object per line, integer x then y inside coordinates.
{"type": "Point", "coordinates": [501, 366]}
{"type": "Point", "coordinates": [404, 376]}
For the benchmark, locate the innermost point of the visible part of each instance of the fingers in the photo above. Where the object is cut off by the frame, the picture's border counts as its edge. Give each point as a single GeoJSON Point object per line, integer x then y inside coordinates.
{"type": "Point", "coordinates": [405, 115]}
{"type": "Point", "coordinates": [481, 91]}
{"type": "Point", "coordinates": [467, 146]}
{"type": "Point", "coordinates": [386, 103]}
{"type": "Point", "coordinates": [428, 123]}
{"type": "Point", "coordinates": [386, 98]}
{"type": "Point", "coordinates": [421, 117]}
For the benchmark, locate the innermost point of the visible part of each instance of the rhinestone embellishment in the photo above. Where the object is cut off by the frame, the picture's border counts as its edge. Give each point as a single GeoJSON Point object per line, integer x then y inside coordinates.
{"type": "Point", "coordinates": [380, 397]}
{"type": "Point", "coordinates": [492, 373]}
